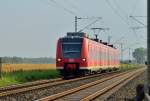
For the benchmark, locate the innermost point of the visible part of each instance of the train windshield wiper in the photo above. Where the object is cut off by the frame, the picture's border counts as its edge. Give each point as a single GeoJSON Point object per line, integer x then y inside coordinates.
{"type": "Point", "coordinates": [71, 51]}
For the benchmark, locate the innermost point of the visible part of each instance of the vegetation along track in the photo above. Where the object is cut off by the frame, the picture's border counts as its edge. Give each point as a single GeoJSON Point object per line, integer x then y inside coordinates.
{"type": "Point", "coordinates": [21, 88]}
{"type": "Point", "coordinates": [29, 84]}
{"type": "Point", "coordinates": [95, 89]}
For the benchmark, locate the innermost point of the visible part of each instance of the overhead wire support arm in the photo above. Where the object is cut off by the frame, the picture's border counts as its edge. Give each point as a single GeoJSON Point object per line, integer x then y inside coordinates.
{"type": "Point", "coordinates": [76, 22]}
{"type": "Point", "coordinates": [90, 24]}
{"type": "Point", "coordinates": [138, 27]}
{"type": "Point", "coordinates": [63, 7]}
{"type": "Point", "coordinates": [133, 17]}
{"type": "Point", "coordinates": [99, 28]}
{"type": "Point", "coordinates": [140, 16]}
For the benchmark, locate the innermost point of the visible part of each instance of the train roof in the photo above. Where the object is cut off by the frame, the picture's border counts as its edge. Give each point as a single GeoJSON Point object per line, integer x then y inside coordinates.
{"type": "Point", "coordinates": [84, 35]}
{"type": "Point", "coordinates": [76, 34]}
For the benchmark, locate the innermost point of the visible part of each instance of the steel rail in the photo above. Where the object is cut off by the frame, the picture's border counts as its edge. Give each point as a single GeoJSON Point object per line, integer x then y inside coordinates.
{"type": "Point", "coordinates": [71, 91]}
{"type": "Point", "coordinates": [45, 85]}
{"type": "Point", "coordinates": [34, 83]}
{"type": "Point", "coordinates": [127, 78]}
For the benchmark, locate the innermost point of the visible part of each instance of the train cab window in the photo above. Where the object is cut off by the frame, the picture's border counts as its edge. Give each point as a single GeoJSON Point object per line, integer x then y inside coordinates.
{"type": "Point", "coordinates": [71, 48]}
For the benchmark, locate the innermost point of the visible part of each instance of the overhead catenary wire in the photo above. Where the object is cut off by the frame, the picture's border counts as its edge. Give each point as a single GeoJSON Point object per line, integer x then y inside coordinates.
{"type": "Point", "coordinates": [64, 8]}
{"type": "Point", "coordinates": [90, 24]}
{"type": "Point", "coordinates": [131, 46]}
{"type": "Point", "coordinates": [138, 21]}
{"type": "Point", "coordinates": [72, 5]}
{"type": "Point", "coordinates": [138, 38]}
{"type": "Point", "coordinates": [75, 3]}
{"type": "Point", "coordinates": [70, 11]}
{"type": "Point", "coordinates": [134, 6]}
{"type": "Point", "coordinates": [118, 40]}
{"type": "Point", "coordinates": [135, 3]}
{"type": "Point", "coordinates": [116, 12]}
{"type": "Point", "coordinates": [119, 8]}
{"type": "Point", "coordinates": [140, 16]}
{"type": "Point", "coordinates": [126, 48]}
{"type": "Point", "coordinates": [135, 28]}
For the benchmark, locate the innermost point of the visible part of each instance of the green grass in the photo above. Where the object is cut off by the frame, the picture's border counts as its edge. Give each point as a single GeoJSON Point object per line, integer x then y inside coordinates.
{"type": "Point", "coordinates": [130, 66]}
{"type": "Point", "coordinates": [5, 81]}
{"type": "Point", "coordinates": [27, 76]}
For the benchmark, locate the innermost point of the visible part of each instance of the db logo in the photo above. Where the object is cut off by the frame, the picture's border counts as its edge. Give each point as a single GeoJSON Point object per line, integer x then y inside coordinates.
{"type": "Point", "coordinates": [71, 60]}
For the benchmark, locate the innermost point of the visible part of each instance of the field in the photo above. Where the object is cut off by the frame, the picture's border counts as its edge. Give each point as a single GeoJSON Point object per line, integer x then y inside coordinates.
{"type": "Point", "coordinates": [27, 76]}
{"type": "Point", "coordinates": [131, 66]}
{"type": "Point", "coordinates": [21, 73]}
{"type": "Point", "coordinates": [26, 67]}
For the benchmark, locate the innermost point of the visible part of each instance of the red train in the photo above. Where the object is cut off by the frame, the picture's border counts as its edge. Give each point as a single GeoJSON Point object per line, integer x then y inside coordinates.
{"type": "Point", "coordinates": [76, 54]}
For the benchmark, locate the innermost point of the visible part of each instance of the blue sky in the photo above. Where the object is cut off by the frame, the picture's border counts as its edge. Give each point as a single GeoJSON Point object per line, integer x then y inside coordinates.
{"type": "Point", "coordinates": [30, 28]}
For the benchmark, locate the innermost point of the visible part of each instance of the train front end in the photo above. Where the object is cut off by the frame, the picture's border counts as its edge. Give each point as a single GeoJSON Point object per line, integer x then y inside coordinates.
{"type": "Point", "coordinates": [71, 54]}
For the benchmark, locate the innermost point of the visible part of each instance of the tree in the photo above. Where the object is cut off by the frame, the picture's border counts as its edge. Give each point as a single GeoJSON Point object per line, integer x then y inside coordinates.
{"type": "Point", "coordinates": [140, 55]}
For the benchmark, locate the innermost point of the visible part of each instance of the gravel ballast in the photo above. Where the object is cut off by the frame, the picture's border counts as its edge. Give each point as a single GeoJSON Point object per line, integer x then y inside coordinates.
{"type": "Point", "coordinates": [40, 93]}
{"type": "Point", "coordinates": [128, 92]}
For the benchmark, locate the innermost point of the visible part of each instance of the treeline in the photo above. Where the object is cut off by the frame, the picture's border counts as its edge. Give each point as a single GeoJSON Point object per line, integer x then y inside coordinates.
{"type": "Point", "coordinates": [140, 55]}
{"type": "Point", "coordinates": [19, 60]}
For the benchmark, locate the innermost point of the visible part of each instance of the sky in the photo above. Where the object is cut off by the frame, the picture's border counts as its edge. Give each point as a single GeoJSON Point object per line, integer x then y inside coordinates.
{"type": "Point", "coordinates": [31, 28]}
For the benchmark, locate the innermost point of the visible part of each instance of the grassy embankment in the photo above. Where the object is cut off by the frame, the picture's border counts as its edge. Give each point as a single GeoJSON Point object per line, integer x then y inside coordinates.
{"type": "Point", "coordinates": [131, 66]}
{"type": "Point", "coordinates": [21, 73]}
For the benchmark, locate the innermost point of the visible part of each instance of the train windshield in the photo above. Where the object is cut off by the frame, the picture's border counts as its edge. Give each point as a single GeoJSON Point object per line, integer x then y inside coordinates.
{"type": "Point", "coordinates": [72, 47]}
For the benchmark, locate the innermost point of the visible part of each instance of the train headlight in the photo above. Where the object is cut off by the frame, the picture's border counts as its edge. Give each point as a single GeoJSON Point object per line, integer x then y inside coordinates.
{"type": "Point", "coordinates": [58, 59]}
{"type": "Point", "coordinates": [83, 59]}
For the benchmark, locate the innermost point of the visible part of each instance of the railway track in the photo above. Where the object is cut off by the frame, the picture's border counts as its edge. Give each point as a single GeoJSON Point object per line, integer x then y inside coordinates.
{"type": "Point", "coordinates": [21, 88]}
{"type": "Point", "coordinates": [35, 83]}
{"type": "Point", "coordinates": [96, 89]}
